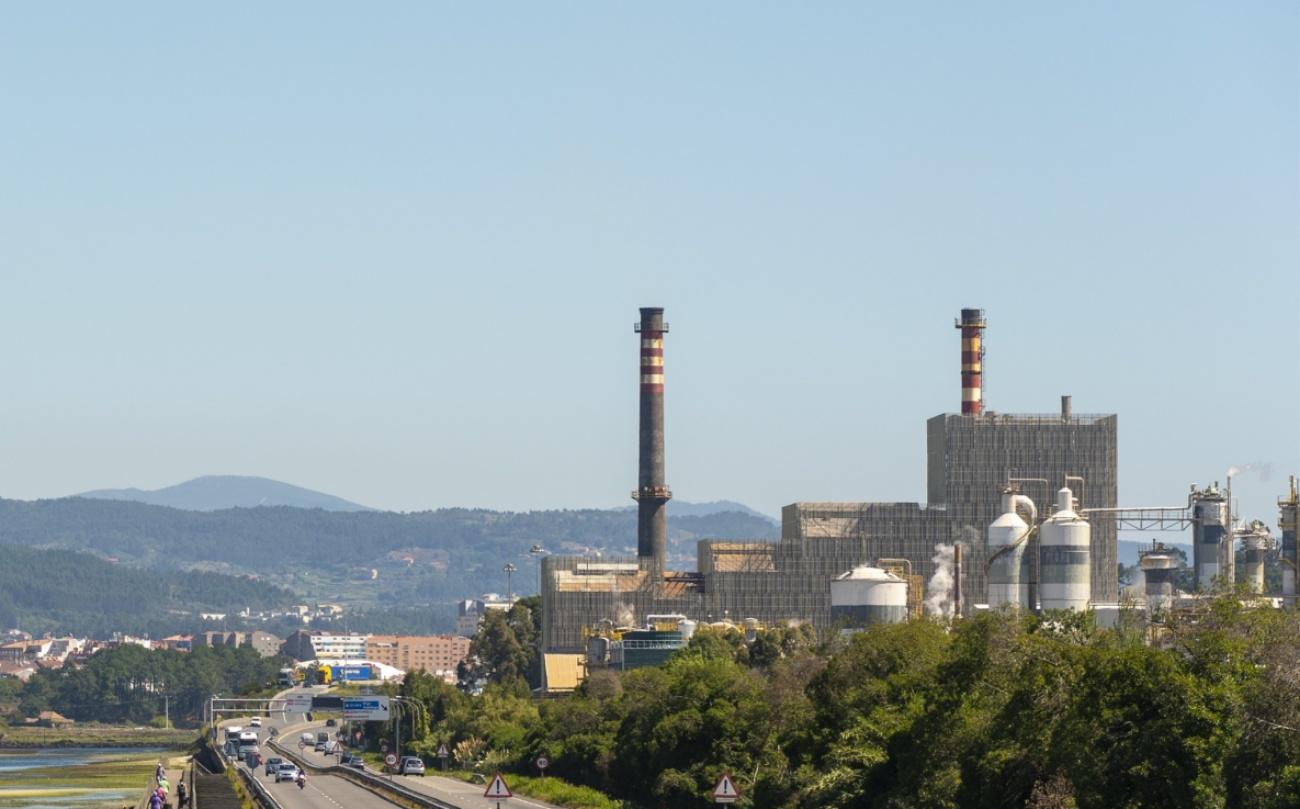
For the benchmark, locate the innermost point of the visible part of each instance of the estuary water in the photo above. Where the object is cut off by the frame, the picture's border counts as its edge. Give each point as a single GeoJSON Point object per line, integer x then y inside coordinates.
{"type": "Point", "coordinates": [72, 777]}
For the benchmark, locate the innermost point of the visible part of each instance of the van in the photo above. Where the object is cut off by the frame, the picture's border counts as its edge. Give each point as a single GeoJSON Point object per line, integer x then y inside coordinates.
{"type": "Point", "coordinates": [322, 737]}
{"type": "Point", "coordinates": [307, 738]}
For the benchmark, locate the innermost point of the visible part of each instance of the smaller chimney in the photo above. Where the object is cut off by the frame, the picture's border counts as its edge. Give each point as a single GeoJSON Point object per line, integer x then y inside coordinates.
{"type": "Point", "coordinates": [1065, 408]}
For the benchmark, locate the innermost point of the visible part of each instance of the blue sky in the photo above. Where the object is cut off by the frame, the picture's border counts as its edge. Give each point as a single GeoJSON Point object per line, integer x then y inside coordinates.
{"type": "Point", "coordinates": [395, 253]}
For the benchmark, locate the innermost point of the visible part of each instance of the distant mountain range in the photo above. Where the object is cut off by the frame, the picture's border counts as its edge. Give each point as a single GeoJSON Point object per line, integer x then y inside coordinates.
{"type": "Point", "coordinates": [216, 492]}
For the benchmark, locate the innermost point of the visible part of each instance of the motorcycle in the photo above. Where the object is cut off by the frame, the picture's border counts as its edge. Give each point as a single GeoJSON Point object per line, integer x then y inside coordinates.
{"type": "Point", "coordinates": [302, 781]}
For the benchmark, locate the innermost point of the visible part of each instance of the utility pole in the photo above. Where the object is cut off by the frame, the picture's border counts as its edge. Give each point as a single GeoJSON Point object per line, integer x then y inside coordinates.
{"type": "Point", "coordinates": [167, 712]}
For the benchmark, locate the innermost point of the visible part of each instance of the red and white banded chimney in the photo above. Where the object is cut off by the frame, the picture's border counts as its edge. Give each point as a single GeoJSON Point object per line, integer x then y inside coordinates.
{"type": "Point", "coordinates": [972, 361]}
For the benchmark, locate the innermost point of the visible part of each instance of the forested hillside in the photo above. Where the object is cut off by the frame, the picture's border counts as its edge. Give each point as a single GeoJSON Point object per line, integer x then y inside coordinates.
{"type": "Point", "coordinates": [67, 592]}
{"type": "Point", "coordinates": [358, 557]}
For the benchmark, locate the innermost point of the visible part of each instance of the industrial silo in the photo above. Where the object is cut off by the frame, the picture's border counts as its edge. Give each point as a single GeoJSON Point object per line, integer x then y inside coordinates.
{"type": "Point", "coordinates": [1256, 543]}
{"type": "Point", "coordinates": [1064, 557]}
{"type": "Point", "coordinates": [1008, 537]}
{"type": "Point", "coordinates": [1159, 565]}
{"type": "Point", "coordinates": [1209, 527]}
{"type": "Point", "coordinates": [867, 595]}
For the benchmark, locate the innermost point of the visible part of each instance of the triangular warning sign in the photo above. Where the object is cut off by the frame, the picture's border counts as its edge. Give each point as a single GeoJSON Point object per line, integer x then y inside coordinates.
{"type": "Point", "coordinates": [442, 751]}
{"type": "Point", "coordinates": [725, 791]}
{"type": "Point", "coordinates": [498, 788]}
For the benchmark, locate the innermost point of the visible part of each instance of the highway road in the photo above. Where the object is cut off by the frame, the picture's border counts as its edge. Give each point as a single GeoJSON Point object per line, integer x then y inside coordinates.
{"type": "Point", "coordinates": [329, 792]}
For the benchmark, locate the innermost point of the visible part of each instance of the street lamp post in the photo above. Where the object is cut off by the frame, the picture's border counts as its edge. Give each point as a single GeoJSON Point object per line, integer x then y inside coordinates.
{"type": "Point", "coordinates": [509, 569]}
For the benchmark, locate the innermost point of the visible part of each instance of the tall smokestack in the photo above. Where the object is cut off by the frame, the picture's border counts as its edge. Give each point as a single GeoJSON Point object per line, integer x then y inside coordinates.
{"type": "Point", "coordinates": [972, 360]}
{"type": "Point", "coordinates": [1289, 522]}
{"type": "Point", "coordinates": [652, 494]}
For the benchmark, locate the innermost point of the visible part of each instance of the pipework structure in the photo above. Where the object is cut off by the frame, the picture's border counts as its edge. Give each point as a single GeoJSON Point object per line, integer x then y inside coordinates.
{"type": "Point", "coordinates": [652, 493]}
{"type": "Point", "coordinates": [1288, 519]}
{"type": "Point", "coordinates": [972, 326]}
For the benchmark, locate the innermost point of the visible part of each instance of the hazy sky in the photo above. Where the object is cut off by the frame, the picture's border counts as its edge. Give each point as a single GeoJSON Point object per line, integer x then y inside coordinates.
{"type": "Point", "coordinates": [395, 252]}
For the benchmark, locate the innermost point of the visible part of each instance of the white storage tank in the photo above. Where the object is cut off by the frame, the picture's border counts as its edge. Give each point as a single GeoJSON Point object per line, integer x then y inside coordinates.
{"type": "Point", "coordinates": [1159, 565]}
{"type": "Point", "coordinates": [1007, 539]}
{"type": "Point", "coordinates": [1209, 529]}
{"type": "Point", "coordinates": [1064, 562]}
{"type": "Point", "coordinates": [867, 595]}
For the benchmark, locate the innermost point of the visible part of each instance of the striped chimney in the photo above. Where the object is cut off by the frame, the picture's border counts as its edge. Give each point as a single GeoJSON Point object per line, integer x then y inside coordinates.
{"type": "Point", "coordinates": [652, 494]}
{"type": "Point", "coordinates": [972, 360]}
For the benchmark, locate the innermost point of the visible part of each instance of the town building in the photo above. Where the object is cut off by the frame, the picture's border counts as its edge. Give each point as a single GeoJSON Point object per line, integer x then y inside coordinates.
{"type": "Point", "coordinates": [432, 654]}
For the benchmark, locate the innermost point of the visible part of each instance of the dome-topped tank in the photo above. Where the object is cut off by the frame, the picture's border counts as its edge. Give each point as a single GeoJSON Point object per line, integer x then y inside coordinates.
{"type": "Point", "coordinates": [1065, 562]}
{"type": "Point", "coordinates": [1159, 564]}
{"type": "Point", "coordinates": [1007, 540]}
{"type": "Point", "coordinates": [867, 595]}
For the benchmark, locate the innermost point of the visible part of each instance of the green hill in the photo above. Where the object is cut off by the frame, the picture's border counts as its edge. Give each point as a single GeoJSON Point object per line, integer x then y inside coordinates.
{"type": "Point", "coordinates": [62, 591]}
{"type": "Point", "coordinates": [368, 557]}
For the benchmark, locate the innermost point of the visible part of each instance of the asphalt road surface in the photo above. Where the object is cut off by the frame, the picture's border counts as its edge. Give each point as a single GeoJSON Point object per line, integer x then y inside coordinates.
{"type": "Point", "coordinates": [329, 792]}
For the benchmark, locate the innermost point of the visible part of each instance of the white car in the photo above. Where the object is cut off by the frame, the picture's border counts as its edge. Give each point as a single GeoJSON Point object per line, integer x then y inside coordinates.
{"type": "Point", "coordinates": [255, 722]}
{"type": "Point", "coordinates": [287, 772]}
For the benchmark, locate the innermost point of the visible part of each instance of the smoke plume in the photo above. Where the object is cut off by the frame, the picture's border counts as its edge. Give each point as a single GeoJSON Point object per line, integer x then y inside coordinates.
{"type": "Point", "coordinates": [1260, 469]}
{"type": "Point", "coordinates": [939, 590]}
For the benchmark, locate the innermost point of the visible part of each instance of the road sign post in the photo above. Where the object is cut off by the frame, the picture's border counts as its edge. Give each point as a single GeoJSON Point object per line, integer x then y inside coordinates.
{"type": "Point", "coordinates": [443, 754]}
{"type": "Point", "coordinates": [391, 761]}
{"type": "Point", "coordinates": [542, 763]}
{"type": "Point", "coordinates": [725, 791]}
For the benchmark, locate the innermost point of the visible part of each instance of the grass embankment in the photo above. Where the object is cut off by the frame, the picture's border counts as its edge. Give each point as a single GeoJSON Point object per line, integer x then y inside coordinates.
{"type": "Point", "coordinates": [128, 773]}
{"type": "Point", "coordinates": [94, 735]}
{"type": "Point", "coordinates": [549, 789]}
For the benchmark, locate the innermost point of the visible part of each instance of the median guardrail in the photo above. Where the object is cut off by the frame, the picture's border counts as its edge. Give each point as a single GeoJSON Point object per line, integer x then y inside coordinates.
{"type": "Point", "coordinates": [378, 784]}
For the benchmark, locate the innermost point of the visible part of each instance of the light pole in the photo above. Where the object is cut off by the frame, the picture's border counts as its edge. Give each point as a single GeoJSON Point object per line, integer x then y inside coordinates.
{"type": "Point", "coordinates": [509, 569]}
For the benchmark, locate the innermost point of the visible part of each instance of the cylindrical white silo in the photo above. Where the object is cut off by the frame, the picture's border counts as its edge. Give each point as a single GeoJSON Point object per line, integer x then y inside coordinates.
{"type": "Point", "coordinates": [1209, 527]}
{"type": "Point", "coordinates": [1158, 568]}
{"type": "Point", "coordinates": [1064, 564]}
{"type": "Point", "coordinates": [1007, 540]}
{"type": "Point", "coordinates": [1257, 542]}
{"type": "Point", "coordinates": [867, 595]}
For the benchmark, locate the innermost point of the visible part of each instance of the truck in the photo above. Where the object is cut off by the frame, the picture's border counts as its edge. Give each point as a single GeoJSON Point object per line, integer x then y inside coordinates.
{"type": "Point", "coordinates": [290, 676]}
{"type": "Point", "coordinates": [247, 743]}
{"type": "Point", "coordinates": [353, 673]}
{"type": "Point", "coordinates": [232, 733]}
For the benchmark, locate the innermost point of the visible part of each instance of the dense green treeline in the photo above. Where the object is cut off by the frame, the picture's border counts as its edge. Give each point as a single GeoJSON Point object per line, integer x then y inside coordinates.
{"type": "Point", "coordinates": [997, 711]}
{"type": "Point", "coordinates": [76, 593]}
{"type": "Point", "coordinates": [131, 684]}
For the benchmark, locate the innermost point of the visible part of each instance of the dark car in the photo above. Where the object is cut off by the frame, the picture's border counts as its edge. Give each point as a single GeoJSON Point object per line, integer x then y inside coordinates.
{"type": "Point", "coordinates": [329, 723]}
{"type": "Point", "coordinates": [273, 764]}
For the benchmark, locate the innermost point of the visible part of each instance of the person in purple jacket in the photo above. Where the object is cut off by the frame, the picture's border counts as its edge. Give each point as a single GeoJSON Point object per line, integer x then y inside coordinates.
{"type": "Point", "coordinates": [156, 800]}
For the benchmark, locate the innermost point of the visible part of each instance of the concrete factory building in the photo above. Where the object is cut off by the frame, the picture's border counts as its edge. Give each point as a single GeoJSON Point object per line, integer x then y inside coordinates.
{"type": "Point", "coordinates": [971, 457]}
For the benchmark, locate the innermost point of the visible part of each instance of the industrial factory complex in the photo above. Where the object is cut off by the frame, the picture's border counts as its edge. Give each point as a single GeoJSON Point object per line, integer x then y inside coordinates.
{"type": "Point", "coordinates": [989, 474]}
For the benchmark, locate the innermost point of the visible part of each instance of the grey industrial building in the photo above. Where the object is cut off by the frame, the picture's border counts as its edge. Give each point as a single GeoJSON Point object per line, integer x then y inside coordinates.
{"type": "Point", "coordinates": [970, 457]}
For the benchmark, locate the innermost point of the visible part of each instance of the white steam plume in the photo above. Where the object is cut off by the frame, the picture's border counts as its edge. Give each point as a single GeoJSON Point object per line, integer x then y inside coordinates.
{"type": "Point", "coordinates": [1260, 469]}
{"type": "Point", "coordinates": [939, 590]}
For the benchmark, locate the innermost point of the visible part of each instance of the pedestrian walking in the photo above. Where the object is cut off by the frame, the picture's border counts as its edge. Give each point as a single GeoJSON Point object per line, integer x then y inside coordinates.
{"type": "Point", "coordinates": [156, 800]}
{"type": "Point", "coordinates": [182, 794]}
{"type": "Point", "coordinates": [159, 772]}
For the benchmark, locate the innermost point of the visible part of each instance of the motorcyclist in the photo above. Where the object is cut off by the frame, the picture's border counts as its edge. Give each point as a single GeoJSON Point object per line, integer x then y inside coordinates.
{"type": "Point", "coordinates": [301, 779]}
